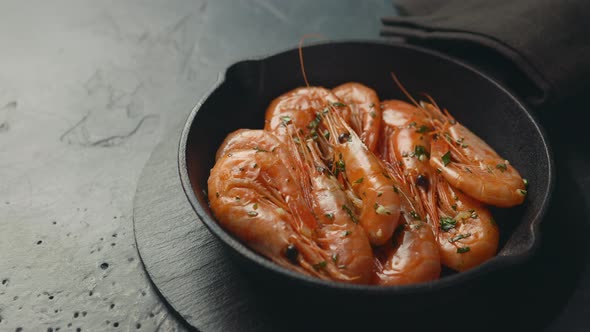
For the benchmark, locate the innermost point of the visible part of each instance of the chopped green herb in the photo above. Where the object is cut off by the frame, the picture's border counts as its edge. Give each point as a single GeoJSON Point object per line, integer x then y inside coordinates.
{"type": "Point", "coordinates": [259, 149]}
{"type": "Point", "coordinates": [459, 237]}
{"type": "Point", "coordinates": [501, 167]}
{"type": "Point", "coordinates": [347, 233]}
{"type": "Point", "coordinates": [320, 265]}
{"type": "Point", "coordinates": [463, 250]}
{"type": "Point", "coordinates": [489, 169]}
{"type": "Point", "coordinates": [448, 137]}
{"type": "Point", "coordinates": [255, 206]}
{"type": "Point", "coordinates": [341, 266]}
{"type": "Point", "coordinates": [522, 192]}
{"type": "Point", "coordinates": [338, 104]}
{"type": "Point", "coordinates": [454, 207]}
{"type": "Point", "coordinates": [241, 169]}
{"type": "Point", "coordinates": [252, 213]}
{"type": "Point", "coordinates": [217, 194]}
{"type": "Point", "coordinates": [395, 190]}
{"type": "Point", "coordinates": [329, 215]}
{"type": "Point", "coordinates": [372, 105]}
{"type": "Point", "coordinates": [327, 134]}
{"type": "Point", "coordinates": [464, 146]}
{"type": "Point", "coordinates": [473, 214]}
{"type": "Point", "coordinates": [285, 119]}
{"type": "Point", "coordinates": [423, 129]}
{"type": "Point", "coordinates": [412, 124]}
{"type": "Point", "coordinates": [360, 180]}
{"type": "Point", "coordinates": [373, 114]}
{"type": "Point", "coordinates": [350, 214]}
{"type": "Point", "coordinates": [335, 257]}
{"type": "Point", "coordinates": [446, 223]}
{"type": "Point", "coordinates": [340, 167]}
{"type": "Point", "coordinates": [379, 194]}
{"type": "Point", "coordinates": [421, 153]}
{"type": "Point", "coordinates": [468, 170]}
{"type": "Point", "coordinates": [255, 165]}
{"type": "Point", "coordinates": [438, 170]}
{"type": "Point", "coordinates": [404, 154]}
{"type": "Point", "coordinates": [314, 124]}
{"type": "Point", "coordinates": [415, 215]}
{"type": "Point", "coordinates": [446, 158]}
{"type": "Point", "coordinates": [526, 182]}
{"type": "Point", "coordinates": [381, 210]}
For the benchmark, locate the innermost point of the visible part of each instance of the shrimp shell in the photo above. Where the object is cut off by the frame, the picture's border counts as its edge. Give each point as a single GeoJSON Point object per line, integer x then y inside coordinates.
{"type": "Point", "coordinates": [366, 113]}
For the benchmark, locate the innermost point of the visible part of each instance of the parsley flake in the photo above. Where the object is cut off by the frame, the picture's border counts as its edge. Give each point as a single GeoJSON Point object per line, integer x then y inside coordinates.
{"type": "Point", "coordinates": [446, 158]}
{"type": "Point", "coordinates": [463, 250]}
{"type": "Point", "coordinates": [459, 237]}
{"type": "Point", "coordinates": [447, 223]}
{"type": "Point", "coordinates": [320, 265]}
{"type": "Point", "coordinates": [381, 210]}
{"type": "Point", "coordinates": [350, 214]}
{"type": "Point", "coordinates": [423, 129]}
{"type": "Point", "coordinates": [285, 119]}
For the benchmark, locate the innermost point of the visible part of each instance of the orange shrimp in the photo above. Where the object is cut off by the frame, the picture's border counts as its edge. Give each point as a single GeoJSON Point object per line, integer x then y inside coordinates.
{"type": "Point", "coordinates": [267, 214]}
{"type": "Point", "coordinates": [469, 235]}
{"type": "Point", "coordinates": [471, 165]}
{"type": "Point", "coordinates": [364, 172]}
{"type": "Point", "coordinates": [413, 255]}
{"type": "Point", "coordinates": [407, 146]}
{"type": "Point", "coordinates": [366, 113]}
{"type": "Point", "coordinates": [252, 139]}
{"type": "Point", "coordinates": [338, 234]}
{"type": "Point", "coordinates": [462, 226]}
{"type": "Point", "coordinates": [300, 107]}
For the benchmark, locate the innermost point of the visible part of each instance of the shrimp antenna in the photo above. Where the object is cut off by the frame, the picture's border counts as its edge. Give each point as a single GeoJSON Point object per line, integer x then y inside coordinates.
{"type": "Point", "coordinates": [431, 100]}
{"type": "Point", "coordinates": [310, 35]}
{"type": "Point", "coordinates": [401, 86]}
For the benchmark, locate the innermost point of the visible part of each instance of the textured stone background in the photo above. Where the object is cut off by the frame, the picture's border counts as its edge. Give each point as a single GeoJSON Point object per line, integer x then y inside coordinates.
{"type": "Point", "coordinates": [87, 89]}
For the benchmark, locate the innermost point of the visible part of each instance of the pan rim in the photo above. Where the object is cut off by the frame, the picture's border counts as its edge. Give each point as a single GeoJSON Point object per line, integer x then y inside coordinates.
{"type": "Point", "coordinates": [496, 263]}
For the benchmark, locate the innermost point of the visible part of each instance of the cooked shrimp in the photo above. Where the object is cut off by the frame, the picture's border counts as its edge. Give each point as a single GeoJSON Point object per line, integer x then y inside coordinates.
{"type": "Point", "coordinates": [268, 214]}
{"type": "Point", "coordinates": [379, 210]}
{"type": "Point", "coordinates": [469, 235]}
{"type": "Point", "coordinates": [471, 165]}
{"type": "Point", "coordinates": [366, 113]}
{"type": "Point", "coordinates": [413, 255]}
{"type": "Point", "coordinates": [412, 258]}
{"type": "Point", "coordinates": [260, 140]}
{"type": "Point", "coordinates": [407, 145]}
{"type": "Point", "coordinates": [338, 234]}
{"type": "Point", "coordinates": [300, 107]}
{"type": "Point", "coordinates": [467, 162]}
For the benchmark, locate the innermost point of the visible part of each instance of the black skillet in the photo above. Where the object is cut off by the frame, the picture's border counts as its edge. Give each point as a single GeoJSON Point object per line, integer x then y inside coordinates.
{"type": "Point", "coordinates": [239, 101]}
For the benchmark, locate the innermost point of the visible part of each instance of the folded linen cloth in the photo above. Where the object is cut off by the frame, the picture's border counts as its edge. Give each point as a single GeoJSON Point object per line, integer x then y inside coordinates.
{"type": "Point", "coordinates": [538, 48]}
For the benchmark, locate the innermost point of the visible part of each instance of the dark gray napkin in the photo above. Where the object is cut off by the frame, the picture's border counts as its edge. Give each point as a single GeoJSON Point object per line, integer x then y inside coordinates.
{"type": "Point", "coordinates": [539, 48]}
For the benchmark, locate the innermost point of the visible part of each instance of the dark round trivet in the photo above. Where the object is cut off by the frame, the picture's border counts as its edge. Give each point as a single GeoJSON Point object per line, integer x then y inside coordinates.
{"type": "Point", "coordinates": [194, 274]}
